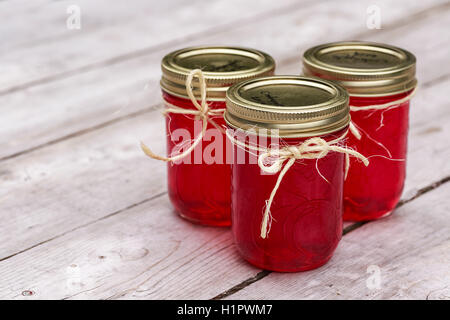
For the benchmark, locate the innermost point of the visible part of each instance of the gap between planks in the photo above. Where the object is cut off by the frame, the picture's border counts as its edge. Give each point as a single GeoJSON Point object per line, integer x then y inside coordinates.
{"type": "Point", "coordinates": [156, 196]}
{"type": "Point", "coordinates": [261, 274]}
{"type": "Point", "coordinates": [264, 273]}
{"type": "Point", "coordinates": [85, 131]}
{"type": "Point", "coordinates": [168, 44]}
{"type": "Point", "coordinates": [350, 228]}
{"type": "Point", "coordinates": [293, 59]}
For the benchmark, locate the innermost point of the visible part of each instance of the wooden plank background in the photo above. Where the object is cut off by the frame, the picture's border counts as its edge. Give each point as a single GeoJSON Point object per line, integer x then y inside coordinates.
{"type": "Point", "coordinates": [85, 214]}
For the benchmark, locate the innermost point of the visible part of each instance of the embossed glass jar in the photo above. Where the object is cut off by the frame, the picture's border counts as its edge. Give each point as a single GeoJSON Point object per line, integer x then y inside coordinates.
{"type": "Point", "coordinates": [199, 188]}
{"type": "Point", "coordinates": [306, 210]}
{"type": "Point", "coordinates": [377, 76]}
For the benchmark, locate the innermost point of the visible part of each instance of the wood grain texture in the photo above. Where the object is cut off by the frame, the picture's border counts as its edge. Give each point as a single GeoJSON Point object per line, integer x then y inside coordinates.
{"type": "Point", "coordinates": [104, 171]}
{"type": "Point", "coordinates": [54, 110]}
{"type": "Point", "coordinates": [86, 216]}
{"type": "Point", "coordinates": [113, 32]}
{"type": "Point", "coordinates": [43, 22]}
{"type": "Point", "coordinates": [78, 185]}
{"type": "Point", "coordinates": [146, 252]}
{"type": "Point", "coordinates": [49, 193]}
{"type": "Point", "coordinates": [411, 249]}
{"type": "Point", "coordinates": [97, 192]}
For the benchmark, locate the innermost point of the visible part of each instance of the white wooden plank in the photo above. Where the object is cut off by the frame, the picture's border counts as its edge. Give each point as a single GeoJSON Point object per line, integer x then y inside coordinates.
{"type": "Point", "coordinates": [15, 172]}
{"type": "Point", "coordinates": [409, 250]}
{"type": "Point", "coordinates": [85, 179]}
{"type": "Point", "coordinates": [95, 185]}
{"type": "Point", "coordinates": [171, 258]}
{"type": "Point", "coordinates": [112, 31]}
{"type": "Point", "coordinates": [48, 194]}
{"type": "Point", "coordinates": [39, 22]}
{"type": "Point", "coordinates": [30, 207]}
{"type": "Point", "coordinates": [77, 184]}
{"type": "Point", "coordinates": [54, 110]}
{"type": "Point", "coordinates": [429, 145]}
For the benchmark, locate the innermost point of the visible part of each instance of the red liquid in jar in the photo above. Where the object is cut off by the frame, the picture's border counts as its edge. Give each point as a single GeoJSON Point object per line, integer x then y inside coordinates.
{"type": "Point", "coordinates": [306, 211]}
{"type": "Point", "coordinates": [199, 192]}
{"type": "Point", "coordinates": [373, 192]}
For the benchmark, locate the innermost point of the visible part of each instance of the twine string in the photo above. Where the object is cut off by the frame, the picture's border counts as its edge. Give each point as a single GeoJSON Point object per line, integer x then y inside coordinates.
{"type": "Point", "coordinates": [203, 113]}
{"type": "Point", "coordinates": [396, 103]}
{"type": "Point", "coordinates": [313, 148]}
{"type": "Point", "coordinates": [355, 130]}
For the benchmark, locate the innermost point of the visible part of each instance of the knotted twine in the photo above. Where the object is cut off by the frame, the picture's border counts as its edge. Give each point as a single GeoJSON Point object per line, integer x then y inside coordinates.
{"type": "Point", "coordinates": [203, 113]}
{"type": "Point", "coordinates": [313, 148]}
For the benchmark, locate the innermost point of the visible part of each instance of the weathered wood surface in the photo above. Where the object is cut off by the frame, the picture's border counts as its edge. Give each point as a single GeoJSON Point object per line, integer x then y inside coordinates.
{"type": "Point", "coordinates": [86, 215]}
{"type": "Point", "coordinates": [92, 98]}
{"type": "Point", "coordinates": [110, 34]}
{"type": "Point", "coordinates": [411, 250]}
{"type": "Point", "coordinates": [111, 141]}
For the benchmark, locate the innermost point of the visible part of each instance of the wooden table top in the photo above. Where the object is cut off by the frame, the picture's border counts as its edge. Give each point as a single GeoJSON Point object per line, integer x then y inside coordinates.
{"type": "Point", "coordinates": [85, 215]}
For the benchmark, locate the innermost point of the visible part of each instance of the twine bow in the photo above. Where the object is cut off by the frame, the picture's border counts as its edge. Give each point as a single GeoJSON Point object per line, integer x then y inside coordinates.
{"type": "Point", "coordinates": [314, 148]}
{"type": "Point", "coordinates": [203, 113]}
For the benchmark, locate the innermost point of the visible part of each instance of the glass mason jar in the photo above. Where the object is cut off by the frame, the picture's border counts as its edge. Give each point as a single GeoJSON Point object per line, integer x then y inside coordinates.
{"type": "Point", "coordinates": [199, 186]}
{"type": "Point", "coordinates": [380, 80]}
{"type": "Point", "coordinates": [304, 220]}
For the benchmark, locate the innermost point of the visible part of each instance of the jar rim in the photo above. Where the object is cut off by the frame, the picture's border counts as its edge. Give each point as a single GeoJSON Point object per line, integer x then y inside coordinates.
{"type": "Point", "coordinates": [287, 106]}
{"type": "Point", "coordinates": [365, 69]}
{"type": "Point", "coordinates": [222, 67]}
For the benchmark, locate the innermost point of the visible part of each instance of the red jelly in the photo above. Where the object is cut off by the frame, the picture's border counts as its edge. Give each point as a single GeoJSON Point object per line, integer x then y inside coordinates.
{"type": "Point", "coordinates": [380, 80]}
{"type": "Point", "coordinates": [199, 185]}
{"type": "Point", "coordinates": [193, 185]}
{"type": "Point", "coordinates": [307, 114]}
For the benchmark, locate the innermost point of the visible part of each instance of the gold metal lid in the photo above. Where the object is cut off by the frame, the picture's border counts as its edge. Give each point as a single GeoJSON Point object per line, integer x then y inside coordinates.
{"type": "Point", "coordinates": [296, 106]}
{"type": "Point", "coordinates": [222, 67]}
{"type": "Point", "coordinates": [365, 69]}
